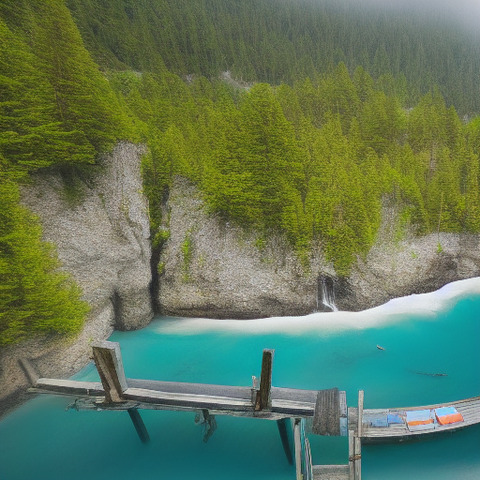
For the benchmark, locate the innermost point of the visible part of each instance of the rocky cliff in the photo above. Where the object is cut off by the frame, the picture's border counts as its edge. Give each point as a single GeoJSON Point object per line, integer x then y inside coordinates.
{"type": "Point", "coordinates": [207, 267]}
{"type": "Point", "coordinates": [213, 269]}
{"type": "Point", "coordinates": [100, 227]}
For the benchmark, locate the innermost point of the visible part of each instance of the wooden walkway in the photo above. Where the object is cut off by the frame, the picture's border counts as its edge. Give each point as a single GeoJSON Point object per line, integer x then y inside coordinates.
{"type": "Point", "coordinates": [325, 410]}
{"type": "Point", "coordinates": [160, 395]}
{"type": "Point", "coordinates": [321, 412]}
{"type": "Point", "coordinates": [469, 409]}
{"type": "Point", "coordinates": [331, 472]}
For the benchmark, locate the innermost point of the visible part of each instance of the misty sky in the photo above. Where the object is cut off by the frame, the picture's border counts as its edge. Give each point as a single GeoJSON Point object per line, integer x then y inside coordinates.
{"type": "Point", "coordinates": [466, 10]}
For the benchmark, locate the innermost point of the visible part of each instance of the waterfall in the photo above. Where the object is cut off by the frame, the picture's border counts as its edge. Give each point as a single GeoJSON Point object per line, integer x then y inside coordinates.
{"type": "Point", "coordinates": [326, 293]}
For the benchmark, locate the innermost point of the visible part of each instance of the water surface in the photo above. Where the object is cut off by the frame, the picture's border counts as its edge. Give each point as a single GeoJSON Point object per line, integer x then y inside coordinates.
{"type": "Point", "coordinates": [434, 333]}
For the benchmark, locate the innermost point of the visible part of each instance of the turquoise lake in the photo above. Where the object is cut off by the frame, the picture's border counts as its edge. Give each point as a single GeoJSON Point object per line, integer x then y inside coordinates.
{"type": "Point", "coordinates": [432, 333]}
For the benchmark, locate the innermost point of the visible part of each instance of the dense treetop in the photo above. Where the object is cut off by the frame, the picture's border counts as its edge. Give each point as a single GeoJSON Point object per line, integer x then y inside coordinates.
{"type": "Point", "coordinates": [57, 111]}
{"type": "Point", "coordinates": [279, 41]}
{"type": "Point", "coordinates": [316, 160]}
{"type": "Point", "coordinates": [349, 110]}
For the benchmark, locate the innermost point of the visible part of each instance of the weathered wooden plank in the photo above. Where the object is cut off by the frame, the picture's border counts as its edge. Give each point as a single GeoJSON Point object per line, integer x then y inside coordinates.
{"type": "Point", "coordinates": [343, 403]}
{"type": "Point", "coordinates": [298, 449]}
{"type": "Point", "coordinates": [351, 455]}
{"type": "Point", "coordinates": [330, 472]}
{"type": "Point", "coordinates": [196, 401]}
{"type": "Point", "coordinates": [358, 458]}
{"type": "Point", "coordinates": [69, 387]}
{"type": "Point", "coordinates": [326, 420]}
{"type": "Point", "coordinates": [264, 398]}
{"type": "Point", "coordinates": [108, 360]}
{"type": "Point", "coordinates": [239, 405]}
{"type": "Point", "coordinates": [360, 412]}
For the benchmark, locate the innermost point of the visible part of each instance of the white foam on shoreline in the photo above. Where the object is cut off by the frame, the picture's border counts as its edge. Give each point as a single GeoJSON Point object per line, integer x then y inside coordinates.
{"type": "Point", "coordinates": [425, 306]}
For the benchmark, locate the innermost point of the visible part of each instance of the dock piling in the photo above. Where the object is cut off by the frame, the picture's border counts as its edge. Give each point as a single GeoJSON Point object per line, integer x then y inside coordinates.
{"type": "Point", "coordinates": [358, 458]}
{"type": "Point", "coordinates": [264, 398]}
{"type": "Point", "coordinates": [139, 425]}
{"type": "Point", "coordinates": [354, 456]}
{"type": "Point", "coordinates": [298, 448]}
{"type": "Point", "coordinates": [361, 395]}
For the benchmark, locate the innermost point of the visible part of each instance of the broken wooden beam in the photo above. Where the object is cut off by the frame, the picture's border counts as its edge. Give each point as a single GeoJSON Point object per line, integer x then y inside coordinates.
{"type": "Point", "coordinates": [108, 360]}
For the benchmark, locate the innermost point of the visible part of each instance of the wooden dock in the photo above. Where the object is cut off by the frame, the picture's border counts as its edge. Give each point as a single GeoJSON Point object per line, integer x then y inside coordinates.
{"type": "Point", "coordinates": [325, 410]}
{"type": "Point", "coordinates": [330, 472]}
{"type": "Point", "coordinates": [469, 409]}
{"type": "Point", "coordinates": [160, 395]}
{"type": "Point", "coordinates": [298, 412]}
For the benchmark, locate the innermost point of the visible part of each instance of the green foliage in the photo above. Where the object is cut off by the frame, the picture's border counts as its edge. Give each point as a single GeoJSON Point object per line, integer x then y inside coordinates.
{"type": "Point", "coordinates": [57, 111]}
{"type": "Point", "coordinates": [314, 161]}
{"type": "Point", "coordinates": [160, 238]}
{"type": "Point", "coordinates": [56, 107]}
{"type": "Point", "coordinates": [314, 157]}
{"type": "Point", "coordinates": [35, 297]}
{"type": "Point", "coordinates": [276, 41]}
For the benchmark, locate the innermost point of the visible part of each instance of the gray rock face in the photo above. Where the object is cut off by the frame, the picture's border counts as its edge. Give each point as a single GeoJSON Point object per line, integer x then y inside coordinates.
{"type": "Point", "coordinates": [212, 269]}
{"type": "Point", "coordinates": [415, 265]}
{"type": "Point", "coordinates": [102, 238]}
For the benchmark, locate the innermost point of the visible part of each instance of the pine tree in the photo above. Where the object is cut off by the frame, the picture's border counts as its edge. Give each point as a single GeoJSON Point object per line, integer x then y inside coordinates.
{"type": "Point", "coordinates": [35, 297]}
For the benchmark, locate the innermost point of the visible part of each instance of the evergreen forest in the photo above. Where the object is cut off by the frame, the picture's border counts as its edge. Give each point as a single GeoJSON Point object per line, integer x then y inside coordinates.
{"type": "Point", "coordinates": [301, 118]}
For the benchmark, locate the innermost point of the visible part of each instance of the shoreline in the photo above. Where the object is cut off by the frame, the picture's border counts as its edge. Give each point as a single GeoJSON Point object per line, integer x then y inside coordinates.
{"type": "Point", "coordinates": [425, 304]}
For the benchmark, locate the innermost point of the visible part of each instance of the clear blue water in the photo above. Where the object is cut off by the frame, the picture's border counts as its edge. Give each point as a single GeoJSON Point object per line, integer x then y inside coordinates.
{"type": "Point", "coordinates": [436, 333]}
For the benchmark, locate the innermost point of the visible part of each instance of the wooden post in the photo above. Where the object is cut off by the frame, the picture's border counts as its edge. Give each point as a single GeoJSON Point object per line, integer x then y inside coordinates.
{"type": "Point", "coordinates": [358, 458]}
{"type": "Point", "coordinates": [264, 398]}
{"type": "Point", "coordinates": [308, 461]}
{"type": "Point", "coordinates": [282, 430]}
{"type": "Point", "coordinates": [298, 448]}
{"type": "Point", "coordinates": [360, 412]}
{"type": "Point", "coordinates": [351, 455]}
{"type": "Point", "coordinates": [354, 456]}
{"type": "Point", "coordinates": [108, 360]}
{"type": "Point", "coordinates": [139, 425]}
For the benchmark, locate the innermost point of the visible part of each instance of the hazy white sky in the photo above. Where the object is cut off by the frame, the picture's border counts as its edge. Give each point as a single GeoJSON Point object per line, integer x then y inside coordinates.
{"type": "Point", "coordinates": [466, 10]}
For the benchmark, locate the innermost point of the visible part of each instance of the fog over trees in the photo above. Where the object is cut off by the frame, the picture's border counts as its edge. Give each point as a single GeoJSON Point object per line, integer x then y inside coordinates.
{"type": "Point", "coordinates": [465, 11]}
